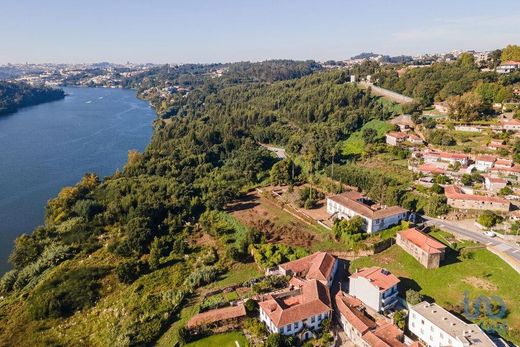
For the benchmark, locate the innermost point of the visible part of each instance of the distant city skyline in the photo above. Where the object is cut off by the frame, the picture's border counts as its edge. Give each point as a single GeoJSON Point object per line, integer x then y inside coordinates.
{"type": "Point", "coordinates": [205, 31]}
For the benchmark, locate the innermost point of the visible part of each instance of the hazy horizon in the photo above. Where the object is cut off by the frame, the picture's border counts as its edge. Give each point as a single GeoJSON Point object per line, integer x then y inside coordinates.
{"type": "Point", "coordinates": [205, 31]}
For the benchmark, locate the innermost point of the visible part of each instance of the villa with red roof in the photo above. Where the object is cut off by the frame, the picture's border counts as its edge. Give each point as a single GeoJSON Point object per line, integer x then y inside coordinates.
{"type": "Point", "coordinates": [428, 251]}
{"type": "Point", "coordinates": [350, 204]}
{"type": "Point", "coordinates": [319, 266]}
{"type": "Point", "coordinates": [298, 312]}
{"type": "Point", "coordinates": [457, 199]}
{"type": "Point", "coordinates": [375, 287]}
{"type": "Point", "coordinates": [394, 138]}
{"type": "Point", "coordinates": [361, 328]}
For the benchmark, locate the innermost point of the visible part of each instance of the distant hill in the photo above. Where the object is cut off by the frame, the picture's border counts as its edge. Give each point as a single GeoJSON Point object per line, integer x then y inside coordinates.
{"type": "Point", "coordinates": [16, 95]}
{"type": "Point", "coordinates": [385, 58]}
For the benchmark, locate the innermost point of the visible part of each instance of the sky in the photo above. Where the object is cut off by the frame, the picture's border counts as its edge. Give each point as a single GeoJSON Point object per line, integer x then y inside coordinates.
{"type": "Point", "coordinates": [205, 31]}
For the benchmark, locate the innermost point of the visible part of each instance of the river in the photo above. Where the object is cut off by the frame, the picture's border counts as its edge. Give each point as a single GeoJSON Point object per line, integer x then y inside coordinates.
{"type": "Point", "coordinates": [46, 147]}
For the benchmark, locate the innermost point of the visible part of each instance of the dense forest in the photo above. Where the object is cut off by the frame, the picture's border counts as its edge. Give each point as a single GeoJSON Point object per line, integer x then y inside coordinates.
{"type": "Point", "coordinates": [16, 95]}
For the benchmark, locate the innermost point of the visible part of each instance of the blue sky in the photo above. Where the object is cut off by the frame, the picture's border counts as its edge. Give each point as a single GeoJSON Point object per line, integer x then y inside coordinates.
{"type": "Point", "coordinates": [178, 31]}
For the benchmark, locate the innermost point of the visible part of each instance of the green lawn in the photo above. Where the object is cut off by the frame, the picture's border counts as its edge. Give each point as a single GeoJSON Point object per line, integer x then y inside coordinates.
{"type": "Point", "coordinates": [221, 340]}
{"type": "Point", "coordinates": [484, 274]}
{"type": "Point", "coordinates": [355, 145]}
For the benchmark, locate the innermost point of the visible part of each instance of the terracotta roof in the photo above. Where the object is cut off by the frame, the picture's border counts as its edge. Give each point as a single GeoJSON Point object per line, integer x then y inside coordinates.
{"type": "Point", "coordinates": [384, 335]}
{"type": "Point", "coordinates": [377, 276]}
{"type": "Point", "coordinates": [510, 62]}
{"type": "Point", "coordinates": [495, 179]}
{"type": "Point", "coordinates": [397, 134]}
{"type": "Point", "coordinates": [311, 299]}
{"type": "Point", "coordinates": [504, 162]}
{"type": "Point", "coordinates": [486, 158]}
{"type": "Point", "coordinates": [414, 137]}
{"type": "Point", "coordinates": [430, 168]}
{"type": "Point", "coordinates": [317, 266]}
{"type": "Point", "coordinates": [349, 200]}
{"type": "Point", "coordinates": [514, 168]}
{"type": "Point", "coordinates": [454, 192]}
{"type": "Point", "coordinates": [217, 315]}
{"type": "Point", "coordinates": [510, 121]}
{"type": "Point", "coordinates": [350, 309]}
{"type": "Point", "coordinates": [446, 155]}
{"type": "Point", "coordinates": [423, 241]}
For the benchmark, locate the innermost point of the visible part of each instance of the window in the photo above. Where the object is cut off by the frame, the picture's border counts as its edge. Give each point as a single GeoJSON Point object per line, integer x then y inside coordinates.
{"type": "Point", "coordinates": [295, 325]}
{"type": "Point", "coordinates": [289, 328]}
{"type": "Point", "coordinates": [313, 319]}
{"type": "Point", "coordinates": [422, 321]}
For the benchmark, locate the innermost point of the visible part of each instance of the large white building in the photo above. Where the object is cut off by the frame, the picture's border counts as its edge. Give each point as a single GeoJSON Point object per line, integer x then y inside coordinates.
{"type": "Point", "coordinates": [350, 204]}
{"type": "Point", "coordinates": [436, 327]}
{"type": "Point", "coordinates": [375, 287]}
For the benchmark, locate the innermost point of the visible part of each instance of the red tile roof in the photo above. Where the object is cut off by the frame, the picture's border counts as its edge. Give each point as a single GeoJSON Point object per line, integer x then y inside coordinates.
{"type": "Point", "coordinates": [350, 309]}
{"type": "Point", "coordinates": [454, 192]}
{"type": "Point", "coordinates": [377, 276]}
{"type": "Point", "coordinates": [504, 162]}
{"type": "Point", "coordinates": [349, 200]}
{"type": "Point", "coordinates": [217, 315]}
{"type": "Point", "coordinates": [397, 134]}
{"type": "Point", "coordinates": [311, 299]}
{"type": "Point", "coordinates": [430, 168]}
{"type": "Point", "coordinates": [486, 158]}
{"type": "Point", "coordinates": [425, 242]}
{"type": "Point", "coordinates": [384, 335]}
{"type": "Point", "coordinates": [510, 121]}
{"type": "Point", "coordinates": [317, 266]}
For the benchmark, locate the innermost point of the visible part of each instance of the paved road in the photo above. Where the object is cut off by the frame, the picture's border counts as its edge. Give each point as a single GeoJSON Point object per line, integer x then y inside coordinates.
{"type": "Point", "coordinates": [508, 248]}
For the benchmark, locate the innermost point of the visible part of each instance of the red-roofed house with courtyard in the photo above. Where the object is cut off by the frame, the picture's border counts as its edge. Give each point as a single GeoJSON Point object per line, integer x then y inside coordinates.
{"type": "Point", "coordinates": [375, 287]}
{"type": "Point", "coordinates": [428, 251]}
{"type": "Point", "coordinates": [298, 312]}
{"type": "Point", "coordinates": [394, 138]}
{"type": "Point", "coordinates": [457, 199]}
{"type": "Point", "coordinates": [319, 266]}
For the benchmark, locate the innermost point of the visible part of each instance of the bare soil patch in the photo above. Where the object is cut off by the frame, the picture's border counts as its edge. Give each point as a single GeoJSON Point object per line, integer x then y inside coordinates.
{"type": "Point", "coordinates": [480, 283]}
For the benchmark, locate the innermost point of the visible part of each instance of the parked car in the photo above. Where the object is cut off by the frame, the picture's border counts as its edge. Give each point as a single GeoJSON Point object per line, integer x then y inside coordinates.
{"type": "Point", "coordinates": [490, 233]}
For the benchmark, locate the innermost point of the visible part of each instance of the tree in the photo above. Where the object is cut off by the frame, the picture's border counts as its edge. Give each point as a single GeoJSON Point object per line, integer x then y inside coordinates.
{"type": "Point", "coordinates": [467, 60]}
{"type": "Point", "coordinates": [511, 52]}
{"type": "Point", "coordinates": [279, 340]}
{"type": "Point", "coordinates": [489, 219]}
{"type": "Point", "coordinates": [467, 107]}
{"type": "Point", "coordinates": [505, 191]}
{"type": "Point", "coordinates": [26, 250]}
{"type": "Point", "coordinates": [348, 226]}
{"type": "Point", "coordinates": [284, 172]}
{"type": "Point", "coordinates": [413, 297]}
{"type": "Point", "coordinates": [399, 319]}
{"type": "Point", "coordinates": [369, 135]}
{"type": "Point", "coordinates": [129, 271]}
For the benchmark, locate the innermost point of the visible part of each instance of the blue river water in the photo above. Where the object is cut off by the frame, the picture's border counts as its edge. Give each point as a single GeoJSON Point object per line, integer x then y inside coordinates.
{"type": "Point", "coordinates": [46, 147]}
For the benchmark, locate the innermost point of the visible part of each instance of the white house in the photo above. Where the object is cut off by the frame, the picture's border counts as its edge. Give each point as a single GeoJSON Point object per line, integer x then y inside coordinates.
{"type": "Point", "coordinates": [511, 124]}
{"type": "Point", "coordinates": [508, 66]}
{"type": "Point", "coordinates": [494, 183]}
{"type": "Point", "coordinates": [394, 138]}
{"type": "Point", "coordinates": [350, 204]}
{"type": "Point", "coordinates": [375, 287]}
{"type": "Point", "coordinates": [436, 327]}
{"type": "Point", "coordinates": [298, 312]}
{"type": "Point", "coordinates": [485, 162]}
{"type": "Point", "coordinates": [434, 157]}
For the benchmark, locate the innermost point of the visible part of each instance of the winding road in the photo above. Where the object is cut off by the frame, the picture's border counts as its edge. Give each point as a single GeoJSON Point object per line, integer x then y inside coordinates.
{"type": "Point", "coordinates": [508, 248]}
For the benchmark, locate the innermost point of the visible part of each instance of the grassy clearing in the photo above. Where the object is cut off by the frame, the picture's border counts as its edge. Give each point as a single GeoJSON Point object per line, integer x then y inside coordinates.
{"type": "Point", "coordinates": [355, 145]}
{"type": "Point", "coordinates": [221, 340]}
{"type": "Point", "coordinates": [390, 106]}
{"type": "Point", "coordinates": [483, 274]}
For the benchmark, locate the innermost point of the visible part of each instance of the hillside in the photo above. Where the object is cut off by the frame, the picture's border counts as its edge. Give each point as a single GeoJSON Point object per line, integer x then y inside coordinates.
{"type": "Point", "coordinates": [16, 95]}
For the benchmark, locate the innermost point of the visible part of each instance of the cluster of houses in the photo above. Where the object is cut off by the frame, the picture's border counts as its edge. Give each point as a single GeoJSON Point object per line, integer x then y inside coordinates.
{"type": "Point", "coordinates": [497, 172]}
{"type": "Point", "coordinates": [363, 311]}
{"type": "Point", "coordinates": [405, 134]}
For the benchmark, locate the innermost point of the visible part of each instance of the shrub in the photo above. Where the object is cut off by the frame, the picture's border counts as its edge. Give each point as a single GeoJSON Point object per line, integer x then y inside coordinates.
{"type": "Point", "coordinates": [8, 280]}
{"type": "Point", "coordinates": [65, 293]}
{"type": "Point", "coordinates": [413, 297]}
{"type": "Point", "coordinates": [489, 219]}
{"type": "Point", "coordinates": [129, 271]}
